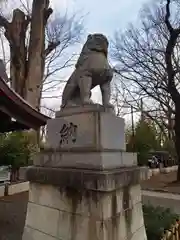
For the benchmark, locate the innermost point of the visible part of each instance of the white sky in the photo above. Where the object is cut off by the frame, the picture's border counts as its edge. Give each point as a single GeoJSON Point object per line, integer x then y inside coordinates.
{"type": "Point", "coordinates": [104, 16]}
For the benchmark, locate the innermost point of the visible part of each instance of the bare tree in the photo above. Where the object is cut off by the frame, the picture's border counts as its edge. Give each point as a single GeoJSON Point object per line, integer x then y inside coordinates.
{"type": "Point", "coordinates": [64, 32]}
{"type": "Point", "coordinates": [141, 65]}
{"type": "Point", "coordinates": [148, 65]}
{"type": "Point", "coordinates": [38, 46]}
{"type": "Point", "coordinates": [173, 72]}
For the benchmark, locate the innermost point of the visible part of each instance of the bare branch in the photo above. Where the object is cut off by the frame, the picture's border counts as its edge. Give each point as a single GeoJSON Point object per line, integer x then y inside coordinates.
{"type": "Point", "coordinates": [167, 16]}
{"type": "Point", "coordinates": [141, 67]}
{"type": "Point", "coordinates": [51, 47]}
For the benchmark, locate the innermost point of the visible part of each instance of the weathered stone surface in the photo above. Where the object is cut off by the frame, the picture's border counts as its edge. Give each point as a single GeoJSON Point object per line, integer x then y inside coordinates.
{"type": "Point", "coordinates": [135, 194]}
{"type": "Point", "coordinates": [49, 196]}
{"type": "Point", "coordinates": [33, 234]}
{"type": "Point", "coordinates": [90, 131]}
{"type": "Point", "coordinates": [96, 230]}
{"type": "Point", "coordinates": [82, 179]}
{"type": "Point", "coordinates": [43, 218]}
{"type": "Point", "coordinates": [122, 229]}
{"type": "Point", "coordinates": [86, 204]}
{"type": "Point", "coordinates": [98, 205]}
{"type": "Point", "coordinates": [98, 215]}
{"type": "Point", "coordinates": [140, 234]}
{"type": "Point", "coordinates": [137, 220]}
{"type": "Point", "coordinates": [87, 160]}
{"type": "Point", "coordinates": [73, 226]}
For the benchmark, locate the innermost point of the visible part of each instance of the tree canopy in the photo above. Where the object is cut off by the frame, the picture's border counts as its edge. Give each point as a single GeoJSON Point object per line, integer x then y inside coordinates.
{"type": "Point", "coordinates": [144, 140]}
{"type": "Point", "coordinates": [17, 148]}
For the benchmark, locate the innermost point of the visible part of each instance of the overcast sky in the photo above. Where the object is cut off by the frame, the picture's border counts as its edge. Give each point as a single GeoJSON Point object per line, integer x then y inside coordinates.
{"type": "Point", "coordinates": [103, 16]}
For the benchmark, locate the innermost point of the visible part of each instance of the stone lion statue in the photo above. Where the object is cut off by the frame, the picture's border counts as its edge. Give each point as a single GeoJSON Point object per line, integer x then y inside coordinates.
{"type": "Point", "coordinates": [91, 69]}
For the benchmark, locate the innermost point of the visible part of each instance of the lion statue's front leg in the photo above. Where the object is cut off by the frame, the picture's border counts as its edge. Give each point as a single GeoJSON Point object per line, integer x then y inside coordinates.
{"type": "Point", "coordinates": [106, 94]}
{"type": "Point", "coordinates": [84, 84]}
{"type": "Point", "coordinates": [78, 90]}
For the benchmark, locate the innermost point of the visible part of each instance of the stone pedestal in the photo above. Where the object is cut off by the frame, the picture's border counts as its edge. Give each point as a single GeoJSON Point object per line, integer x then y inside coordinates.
{"type": "Point", "coordinates": [84, 185]}
{"type": "Point", "coordinates": [93, 129]}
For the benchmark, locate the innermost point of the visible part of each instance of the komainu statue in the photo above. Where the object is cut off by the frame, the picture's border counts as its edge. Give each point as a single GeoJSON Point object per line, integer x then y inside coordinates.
{"type": "Point", "coordinates": [91, 69]}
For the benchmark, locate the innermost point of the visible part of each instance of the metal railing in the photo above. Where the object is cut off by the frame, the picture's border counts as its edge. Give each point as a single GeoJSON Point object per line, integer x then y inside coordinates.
{"type": "Point", "coordinates": [173, 233]}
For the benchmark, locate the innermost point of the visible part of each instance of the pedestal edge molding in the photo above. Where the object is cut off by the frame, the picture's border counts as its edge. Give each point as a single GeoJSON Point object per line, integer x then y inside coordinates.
{"type": "Point", "coordinates": [80, 150]}
{"type": "Point", "coordinates": [80, 179]}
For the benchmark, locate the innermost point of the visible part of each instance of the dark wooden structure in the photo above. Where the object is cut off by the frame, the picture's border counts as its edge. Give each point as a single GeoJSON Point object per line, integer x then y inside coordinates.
{"type": "Point", "coordinates": [16, 113]}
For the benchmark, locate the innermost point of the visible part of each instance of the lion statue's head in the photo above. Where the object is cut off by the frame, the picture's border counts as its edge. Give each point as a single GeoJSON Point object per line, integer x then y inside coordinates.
{"type": "Point", "coordinates": [95, 42]}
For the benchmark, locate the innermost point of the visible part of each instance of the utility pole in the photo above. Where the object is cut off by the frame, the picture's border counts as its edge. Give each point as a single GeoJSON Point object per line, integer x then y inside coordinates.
{"type": "Point", "coordinates": [142, 112]}
{"type": "Point", "coordinates": [132, 125]}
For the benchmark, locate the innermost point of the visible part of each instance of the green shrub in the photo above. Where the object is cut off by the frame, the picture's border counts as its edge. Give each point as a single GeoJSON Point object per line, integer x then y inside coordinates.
{"type": "Point", "coordinates": [142, 158]}
{"type": "Point", "coordinates": [157, 219]}
{"type": "Point", "coordinates": [16, 148]}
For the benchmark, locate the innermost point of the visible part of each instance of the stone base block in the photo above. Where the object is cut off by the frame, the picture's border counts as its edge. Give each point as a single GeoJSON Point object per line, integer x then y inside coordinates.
{"type": "Point", "coordinates": [87, 160]}
{"type": "Point", "coordinates": [89, 108]}
{"type": "Point", "coordinates": [84, 205]}
{"type": "Point", "coordinates": [90, 130]}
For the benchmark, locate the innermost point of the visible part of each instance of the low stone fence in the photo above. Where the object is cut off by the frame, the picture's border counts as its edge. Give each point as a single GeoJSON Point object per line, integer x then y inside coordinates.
{"type": "Point", "coordinates": [11, 189]}
{"type": "Point", "coordinates": [173, 233]}
{"type": "Point", "coordinates": [156, 171]}
{"type": "Point", "coordinates": [169, 169]}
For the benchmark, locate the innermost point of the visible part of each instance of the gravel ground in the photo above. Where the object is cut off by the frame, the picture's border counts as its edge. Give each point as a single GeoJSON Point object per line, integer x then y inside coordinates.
{"type": "Point", "coordinates": [12, 216]}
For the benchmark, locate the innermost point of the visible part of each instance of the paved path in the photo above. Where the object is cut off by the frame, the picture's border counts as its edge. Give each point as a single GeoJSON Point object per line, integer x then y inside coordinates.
{"type": "Point", "coordinates": [12, 216]}
{"type": "Point", "coordinates": [166, 200]}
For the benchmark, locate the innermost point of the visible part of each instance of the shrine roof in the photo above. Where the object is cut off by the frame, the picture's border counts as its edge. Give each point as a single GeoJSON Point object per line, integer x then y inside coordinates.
{"type": "Point", "coordinates": [14, 106]}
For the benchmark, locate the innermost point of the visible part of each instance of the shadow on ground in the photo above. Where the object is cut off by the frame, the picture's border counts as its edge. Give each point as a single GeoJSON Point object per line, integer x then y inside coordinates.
{"type": "Point", "coordinates": [12, 216]}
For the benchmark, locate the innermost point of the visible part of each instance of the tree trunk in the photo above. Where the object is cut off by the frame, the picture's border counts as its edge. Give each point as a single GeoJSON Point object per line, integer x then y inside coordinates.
{"type": "Point", "coordinates": [28, 58]}
{"type": "Point", "coordinates": [16, 35]}
{"type": "Point", "coordinates": [177, 138]}
{"type": "Point", "coordinates": [36, 52]}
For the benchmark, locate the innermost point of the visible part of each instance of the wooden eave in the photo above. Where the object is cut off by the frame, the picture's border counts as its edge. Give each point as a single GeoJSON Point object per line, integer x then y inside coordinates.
{"type": "Point", "coordinates": [13, 106]}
